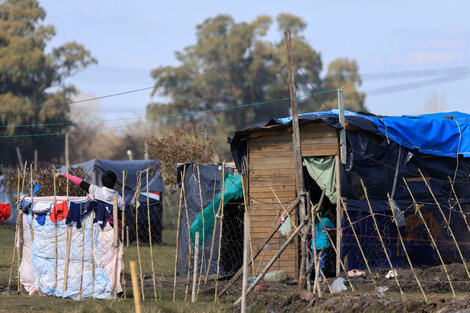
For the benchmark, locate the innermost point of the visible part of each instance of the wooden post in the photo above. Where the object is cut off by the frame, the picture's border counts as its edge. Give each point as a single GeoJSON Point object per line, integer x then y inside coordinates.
{"type": "Point", "coordinates": [15, 242]}
{"type": "Point", "coordinates": [92, 241]}
{"type": "Point", "coordinates": [339, 215]}
{"type": "Point", "coordinates": [20, 159]}
{"type": "Point", "coordinates": [246, 228]}
{"type": "Point", "coordinates": [135, 286]}
{"type": "Point", "coordinates": [32, 199]}
{"type": "Point", "coordinates": [298, 155]}
{"type": "Point", "coordinates": [20, 229]}
{"type": "Point", "coordinates": [447, 223]}
{"type": "Point", "coordinates": [115, 243]}
{"type": "Point", "coordinates": [137, 240]}
{"type": "Point", "coordinates": [67, 259]}
{"type": "Point", "coordinates": [146, 150]}
{"type": "Point", "coordinates": [123, 205]}
{"type": "Point", "coordinates": [342, 121]}
{"type": "Point", "coordinates": [178, 235]}
{"type": "Point", "coordinates": [221, 229]}
{"type": "Point", "coordinates": [203, 250]}
{"type": "Point", "coordinates": [83, 257]}
{"type": "Point", "coordinates": [186, 290]}
{"type": "Point", "coordinates": [55, 231]}
{"type": "Point", "coordinates": [196, 256]}
{"type": "Point", "coordinates": [404, 249]}
{"type": "Point", "coordinates": [211, 254]}
{"type": "Point", "coordinates": [150, 239]}
{"type": "Point", "coordinates": [381, 240]}
{"type": "Point", "coordinates": [417, 209]}
{"type": "Point", "coordinates": [360, 246]}
{"type": "Point", "coordinates": [273, 259]}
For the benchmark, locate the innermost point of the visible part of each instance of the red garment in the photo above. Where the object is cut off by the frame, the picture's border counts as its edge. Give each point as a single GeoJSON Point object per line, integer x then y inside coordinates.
{"type": "Point", "coordinates": [59, 211]}
{"type": "Point", "coordinates": [4, 211]}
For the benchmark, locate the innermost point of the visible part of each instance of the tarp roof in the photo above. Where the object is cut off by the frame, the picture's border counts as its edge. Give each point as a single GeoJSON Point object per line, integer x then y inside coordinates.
{"type": "Point", "coordinates": [441, 134]}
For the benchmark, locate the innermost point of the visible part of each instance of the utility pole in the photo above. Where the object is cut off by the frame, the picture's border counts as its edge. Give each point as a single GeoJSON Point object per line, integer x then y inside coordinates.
{"type": "Point", "coordinates": [146, 150]}
{"type": "Point", "coordinates": [18, 154]}
{"type": "Point", "coordinates": [298, 157]}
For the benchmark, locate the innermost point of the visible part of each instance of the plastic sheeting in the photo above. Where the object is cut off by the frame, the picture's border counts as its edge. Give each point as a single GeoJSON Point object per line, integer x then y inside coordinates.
{"type": "Point", "coordinates": [232, 190]}
{"type": "Point", "coordinates": [322, 171]}
{"type": "Point", "coordinates": [38, 267]}
{"type": "Point", "coordinates": [202, 182]}
{"type": "Point", "coordinates": [98, 167]}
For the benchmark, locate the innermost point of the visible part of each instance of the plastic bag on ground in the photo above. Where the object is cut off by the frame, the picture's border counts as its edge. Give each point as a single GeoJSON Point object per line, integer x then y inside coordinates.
{"type": "Point", "coordinates": [338, 285]}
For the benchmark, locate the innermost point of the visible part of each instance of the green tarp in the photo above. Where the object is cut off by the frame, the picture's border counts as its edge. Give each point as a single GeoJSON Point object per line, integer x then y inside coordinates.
{"type": "Point", "coordinates": [322, 170]}
{"type": "Point", "coordinates": [232, 190]}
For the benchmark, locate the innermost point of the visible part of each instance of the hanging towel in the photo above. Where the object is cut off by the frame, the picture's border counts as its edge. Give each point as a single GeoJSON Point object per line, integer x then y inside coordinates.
{"type": "Point", "coordinates": [41, 219]}
{"type": "Point", "coordinates": [59, 211]}
{"type": "Point", "coordinates": [76, 211]}
{"type": "Point", "coordinates": [41, 207]}
{"type": "Point", "coordinates": [25, 205]}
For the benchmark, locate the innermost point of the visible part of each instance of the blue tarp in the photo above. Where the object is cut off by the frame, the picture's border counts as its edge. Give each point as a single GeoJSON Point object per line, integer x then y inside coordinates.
{"type": "Point", "coordinates": [441, 134]}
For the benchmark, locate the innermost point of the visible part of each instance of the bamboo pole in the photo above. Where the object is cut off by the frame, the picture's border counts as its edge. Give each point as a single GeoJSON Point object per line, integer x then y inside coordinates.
{"type": "Point", "coordinates": [196, 256]}
{"type": "Point", "coordinates": [417, 209]}
{"type": "Point", "coordinates": [203, 250]}
{"type": "Point", "coordinates": [68, 240]}
{"type": "Point", "coordinates": [83, 257]}
{"type": "Point", "coordinates": [55, 232]}
{"type": "Point", "coordinates": [381, 240]}
{"type": "Point", "coordinates": [359, 245]}
{"type": "Point", "coordinates": [211, 254]}
{"type": "Point", "coordinates": [220, 231]}
{"type": "Point", "coordinates": [188, 276]}
{"type": "Point", "coordinates": [284, 209]}
{"type": "Point", "coordinates": [406, 252]}
{"type": "Point", "coordinates": [115, 244]}
{"type": "Point", "coordinates": [15, 242]}
{"type": "Point", "coordinates": [20, 229]}
{"type": "Point", "coordinates": [447, 223]}
{"type": "Point", "coordinates": [135, 286]}
{"type": "Point", "coordinates": [150, 239]}
{"type": "Point", "coordinates": [32, 200]}
{"type": "Point", "coordinates": [273, 259]}
{"type": "Point", "coordinates": [315, 256]}
{"type": "Point", "coordinates": [123, 205]}
{"type": "Point", "coordinates": [180, 205]}
{"type": "Point", "coordinates": [338, 255]}
{"type": "Point", "coordinates": [92, 242]}
{"type": "Point", "coordinates": [137, 239]}
{"type": "Point", "coordinates": [458, 202]}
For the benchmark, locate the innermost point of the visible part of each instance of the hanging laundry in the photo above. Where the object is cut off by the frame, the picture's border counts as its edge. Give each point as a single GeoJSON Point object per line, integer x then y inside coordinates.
{"type": "Point", "coordinates": [103, 211]}
{"type": "Point", "coordinates": [76, 211]}
{"type": "Point", "coordinates": [25, 205]}
{"type": "Point", "coordinates": [41, 219]}
{"type": "Point", "coordinates": [41, 207]}
{"type": "Point", "coordinates": [59, 211]}
{"type": "Point", "coordinates": [4, 211]}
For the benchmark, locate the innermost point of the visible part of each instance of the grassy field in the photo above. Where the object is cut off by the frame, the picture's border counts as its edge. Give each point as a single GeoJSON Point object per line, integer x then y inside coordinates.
{"type": "Point", "coordinates": [164, 266]}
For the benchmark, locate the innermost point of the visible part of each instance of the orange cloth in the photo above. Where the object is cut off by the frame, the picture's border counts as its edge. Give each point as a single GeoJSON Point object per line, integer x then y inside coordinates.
{"type": "Point", "coordinates": [59, 211]}
{"type": "Point", "coordinates": [4, 211]}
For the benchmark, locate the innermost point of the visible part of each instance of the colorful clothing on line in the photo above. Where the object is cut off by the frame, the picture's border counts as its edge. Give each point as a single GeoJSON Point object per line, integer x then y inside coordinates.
{"type": "Point", "coordinates": [4, 211]}
{"type": "Point", "coordinates": [59, 211]}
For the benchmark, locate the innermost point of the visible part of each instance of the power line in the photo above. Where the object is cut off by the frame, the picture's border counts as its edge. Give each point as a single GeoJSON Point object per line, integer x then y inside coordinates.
{"type": "Point", "coordinates": [166, 117]}
{"type": "Point", "coordinates": [413, 73]}
{"type": "Point", "coordinates": [417, 84]}
{"type": "Point", "coordinates": [266, 58]}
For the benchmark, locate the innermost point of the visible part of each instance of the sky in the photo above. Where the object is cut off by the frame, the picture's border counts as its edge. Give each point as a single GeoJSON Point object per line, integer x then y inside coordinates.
{"type": "Point", "coordinates": [413, 55]}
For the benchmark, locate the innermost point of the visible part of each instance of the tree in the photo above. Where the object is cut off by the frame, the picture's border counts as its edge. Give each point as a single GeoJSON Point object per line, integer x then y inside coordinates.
{"type": "Point", "coordinates": [32, 81]}
{"type": "Point", "coordinates": [223, 43]}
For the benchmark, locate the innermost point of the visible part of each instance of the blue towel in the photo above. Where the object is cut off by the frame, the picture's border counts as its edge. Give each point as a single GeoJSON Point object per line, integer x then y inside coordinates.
{"type": "Point", "coordinates": [76, 211]}
{"type": "Point", "coordinates": [41, 219]}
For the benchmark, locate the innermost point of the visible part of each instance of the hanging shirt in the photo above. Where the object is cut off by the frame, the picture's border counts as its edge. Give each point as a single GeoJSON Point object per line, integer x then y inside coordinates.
{"type": "Point", "coordinates": [4, 211]}
{"type": "Point", "coordinates": [59, 211]}
{"type": "Point", "coordinates": [25, 205]}
{"type": "Point", "coordinates": [76, 211]}
{"type": "Point", "coordinates": [321, 237]}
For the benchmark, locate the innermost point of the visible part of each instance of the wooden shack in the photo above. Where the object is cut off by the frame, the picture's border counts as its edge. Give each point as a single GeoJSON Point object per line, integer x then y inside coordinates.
{"type": "Point", "coordinates": [272, 183]}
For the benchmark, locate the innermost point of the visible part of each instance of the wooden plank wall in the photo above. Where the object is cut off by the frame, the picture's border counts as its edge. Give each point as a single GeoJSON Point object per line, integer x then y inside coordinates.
{"type": "Point", "coordinates": [271, 163]}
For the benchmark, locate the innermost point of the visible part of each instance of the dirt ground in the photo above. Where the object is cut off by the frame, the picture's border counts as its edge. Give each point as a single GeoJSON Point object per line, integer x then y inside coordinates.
{"type": "Point", "coordinates": [280, 297]}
